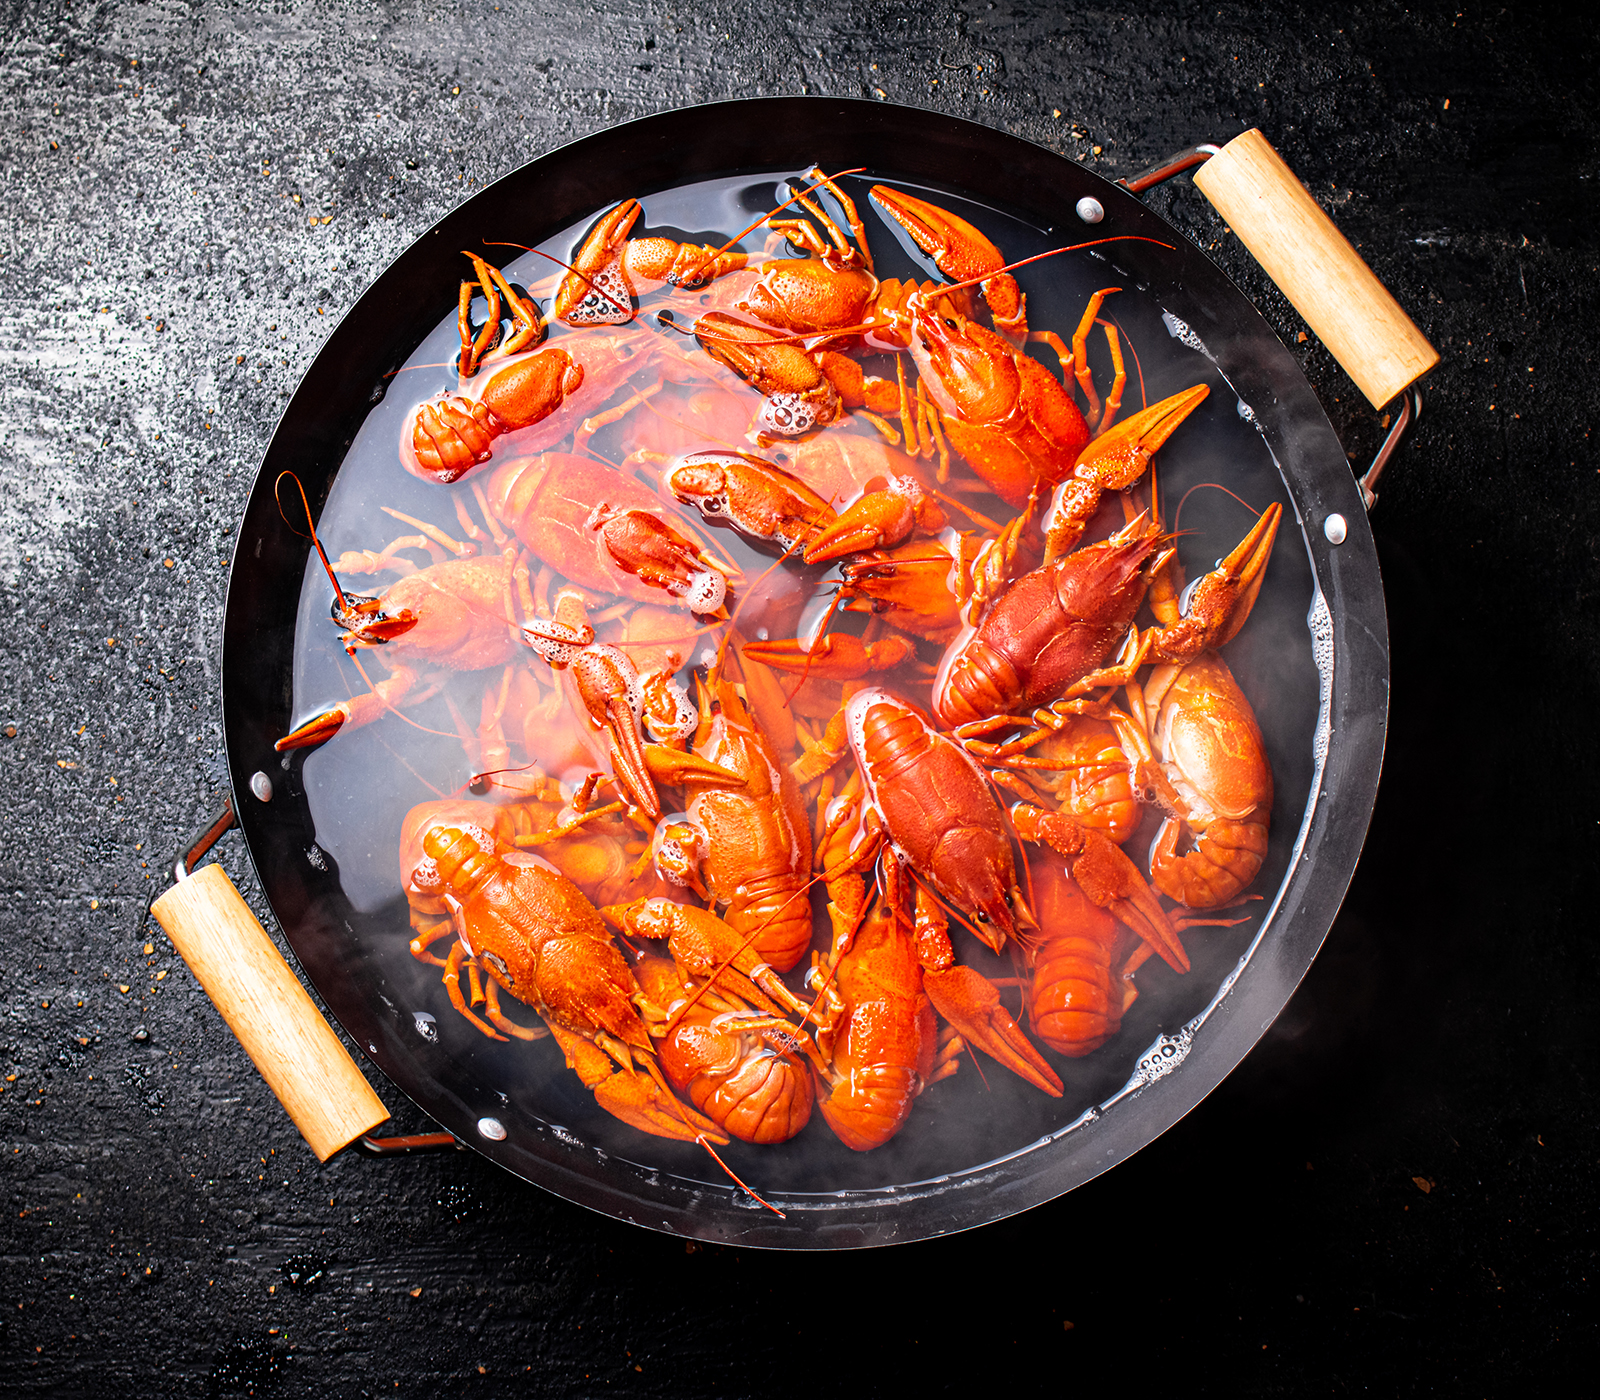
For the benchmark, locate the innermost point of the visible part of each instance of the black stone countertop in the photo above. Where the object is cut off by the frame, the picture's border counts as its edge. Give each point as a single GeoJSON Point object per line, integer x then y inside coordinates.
{"type": "Point", "coordinates": [1395, 1191]}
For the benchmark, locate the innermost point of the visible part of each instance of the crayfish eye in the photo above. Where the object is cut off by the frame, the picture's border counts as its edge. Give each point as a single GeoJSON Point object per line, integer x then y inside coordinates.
{"type": "Point", "coordinates": [1009, 903]}
{"type": "Point", "coordinates": [981, 917]}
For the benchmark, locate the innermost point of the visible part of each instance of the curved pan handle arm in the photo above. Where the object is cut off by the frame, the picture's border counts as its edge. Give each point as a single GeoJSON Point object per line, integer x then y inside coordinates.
{"type": "Point", "coordinates": [1314, 265]}
{"type": "Point", "coordinates": [303, 1061]}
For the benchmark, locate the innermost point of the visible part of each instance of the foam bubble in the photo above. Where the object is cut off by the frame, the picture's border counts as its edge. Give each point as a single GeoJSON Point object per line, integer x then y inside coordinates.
{"type": "Point", "coordinates": [1165, 1054]}
{"type": "Point", "coordinates": [607, 303]}
{"type": "Point", "coordinates": [1320, 622]}
{"type": "Point", "coordinates": [793, 415]}
{"type": "Point", "coordinates": [425, 874]}
{"type": "Point", "coordinates": [685, 719]}
{"type": "Point", "coordinates": [706, 591]}
{"type": "Point", "coordinates": [1180, 330]}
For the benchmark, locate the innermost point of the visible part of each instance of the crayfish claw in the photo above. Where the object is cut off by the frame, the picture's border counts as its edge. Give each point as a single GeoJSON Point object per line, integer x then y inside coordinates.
{"type": "Point", "coordinates": [1114, 461]}
{"type": "Point", "coordinates": [835, 656]}
{"type": "Point", "coordinates": [1221, 600]}
{"type": "Point", "coordinates": [640, 1102]}
{"type": "Point", "coordinates": [675, 768]}
{"type": "Point", "coordinates": [354, 712]}
{"type": "Point", "coordinates": [627, 752]}
{"type": "Point", "coordinates": [958, 250]}
{"type": "Point", "coordinates": [971, 1003]}
{"type": "Point", "coordinates": [595, 290]}
{"type": "Point", "coordinates": [315, 731]}
{"type": "Point", "coordinates": [1118, 457]}
{"type": "Point", "coordinates": [879, 520]}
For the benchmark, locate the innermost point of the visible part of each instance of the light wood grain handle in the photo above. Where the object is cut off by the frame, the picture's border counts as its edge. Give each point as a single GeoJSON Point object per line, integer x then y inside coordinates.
{"type": "Point", "coordinates": [1314, 266]}
{"type": "Point", "coordinates": [243, 973]}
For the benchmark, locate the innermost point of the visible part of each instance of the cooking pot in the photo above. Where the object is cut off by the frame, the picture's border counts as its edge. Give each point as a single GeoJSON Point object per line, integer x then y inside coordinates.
{"type": "Point", "coordinates": [1315, 654]}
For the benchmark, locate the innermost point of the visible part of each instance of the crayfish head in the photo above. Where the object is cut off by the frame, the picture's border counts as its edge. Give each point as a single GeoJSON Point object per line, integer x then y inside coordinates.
{"type": "Point", "coordinates": [970, 371]}
{"type": "Point", "coordinates": [798, 396]}
{"type": "Point", "coordinates": [1006, 917]}
{"type": "Point", "coordinates": [811, 294]}
{"type": "Point", "coordinates": [366, 624]}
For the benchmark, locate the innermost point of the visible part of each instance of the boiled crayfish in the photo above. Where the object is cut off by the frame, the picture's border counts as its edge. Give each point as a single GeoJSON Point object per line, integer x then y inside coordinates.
{"type": "Point", "coordinates": [739, 1065]}
{"type": "Point", "coordinates": [747, 848]}
{"type": "Point", "coordinates": [521, 926]}
{"type": "Point", "coordinates": [1204, 759]}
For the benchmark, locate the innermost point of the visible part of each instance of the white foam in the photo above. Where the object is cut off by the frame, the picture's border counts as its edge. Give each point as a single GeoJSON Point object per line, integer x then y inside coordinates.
{"type": "Point", "coordinates": [608, 301]}
{"type": "Point", "coordinates": [689, 842]}
{"type": "Point", "coordinates": [1180, 330]}
{"type": "Point", "coordinates": [1320, 622]}
{"type": "Point", "coordinates": [425, 874]}
{"type": "Point", "coordinates": [790, 415]}
{"type": "Point", "coordinates": [706, 591]}
{"type": "Point", "coordinates": [685, 719]}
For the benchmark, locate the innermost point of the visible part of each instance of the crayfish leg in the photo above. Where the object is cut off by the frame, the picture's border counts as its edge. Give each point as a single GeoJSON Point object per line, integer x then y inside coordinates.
{"type": "Point", "coordinates": [452, 986]}
{"type": "Point", "coordinates": [504, 1022]}
{"type": "Point", "coordinates": [947, 1055]}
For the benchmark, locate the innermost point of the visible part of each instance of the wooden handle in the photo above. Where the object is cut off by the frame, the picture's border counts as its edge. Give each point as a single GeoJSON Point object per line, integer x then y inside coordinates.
{"type": "Point", "coordinates": [1315, 267]}
{"type": "Point", "coordinates": [295, 1049]}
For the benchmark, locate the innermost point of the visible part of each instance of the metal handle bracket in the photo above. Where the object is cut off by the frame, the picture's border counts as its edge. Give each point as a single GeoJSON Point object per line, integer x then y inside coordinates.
{"type": "Point", "coordinates": [203, 840]}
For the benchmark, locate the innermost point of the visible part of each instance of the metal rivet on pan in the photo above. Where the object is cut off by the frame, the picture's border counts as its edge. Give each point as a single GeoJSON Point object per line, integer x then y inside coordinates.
{"type": "Point", "coordinates": [1335, 529]}
{"type": "Point", "coordinates": [1090, 209]}
{"type": "Point", "coordinates": [261, 786]}
{"type": "Point", "coordinates": [492, 1128]}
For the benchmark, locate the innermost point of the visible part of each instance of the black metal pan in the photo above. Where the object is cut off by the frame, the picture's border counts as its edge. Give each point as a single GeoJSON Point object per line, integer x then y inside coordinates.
{"type": "Point", "coordinates": [1317, 648]}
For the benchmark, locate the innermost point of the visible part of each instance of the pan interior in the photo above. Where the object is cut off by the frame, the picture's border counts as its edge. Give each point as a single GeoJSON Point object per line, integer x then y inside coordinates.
{"type": "Point", "coordinates": [358, 788]}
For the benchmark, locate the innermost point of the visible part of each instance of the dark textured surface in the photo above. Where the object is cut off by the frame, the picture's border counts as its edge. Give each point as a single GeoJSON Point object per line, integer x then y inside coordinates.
{"type": "Point", "coordinates": [195, 190]}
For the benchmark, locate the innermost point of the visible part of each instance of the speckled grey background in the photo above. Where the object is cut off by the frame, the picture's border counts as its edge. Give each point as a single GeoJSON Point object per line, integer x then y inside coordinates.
{"type": "Point", "coordinates": [195, 192]}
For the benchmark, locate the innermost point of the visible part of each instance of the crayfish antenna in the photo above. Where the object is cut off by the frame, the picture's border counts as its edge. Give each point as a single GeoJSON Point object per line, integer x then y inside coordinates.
{"type": "Point", "coordinates": [733, 1176]}
{"type": "Point", "coordinates": [311, 528]}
